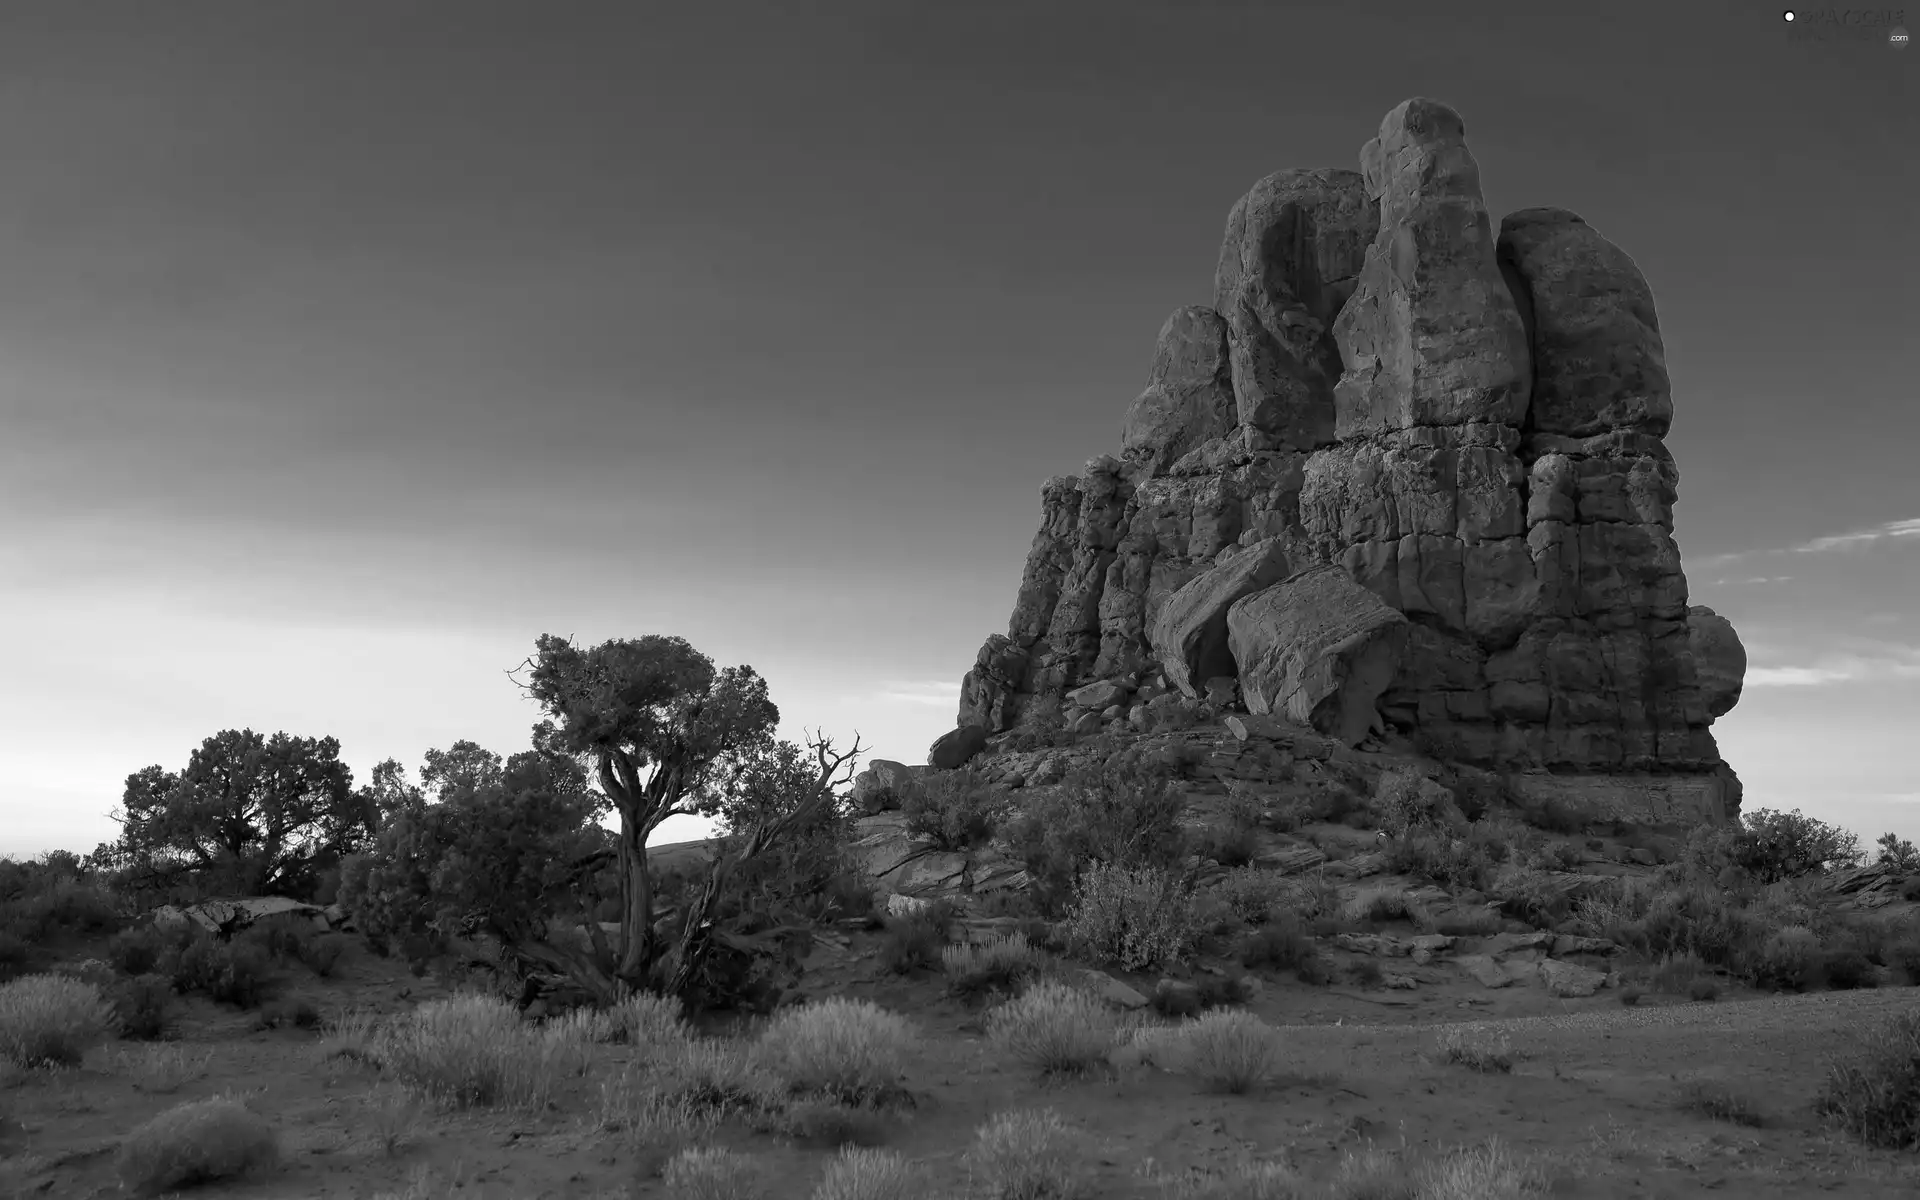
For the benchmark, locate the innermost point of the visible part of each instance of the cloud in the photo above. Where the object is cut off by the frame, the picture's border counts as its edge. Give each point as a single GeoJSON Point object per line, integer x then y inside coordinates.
{"type": "Point", "coordinates": [1885, 531]}
{"type": "Point", "coordinates": [932, 694]}
{"type": "Point", "coordinates": [1884, 661]}
{"type": "Point", "coordinates": [1758, 579]}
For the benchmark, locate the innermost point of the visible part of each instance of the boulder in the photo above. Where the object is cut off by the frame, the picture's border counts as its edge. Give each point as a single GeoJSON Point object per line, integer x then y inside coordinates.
{"type": "Point", "coordinates": [1098, 696]}
{"type": "Point", "coordinates": [1190, 634]}
{"type": "Point", "coordinates": [954, 749]}
{"type": "Point", "coordinates": [1570, 980]}
{"type": "Point", "coordinates": [1319, 649]}
{"type": "Point", "coordinates": [883, 786]}
{"type": "Point", "coordinates": [1719, 660]}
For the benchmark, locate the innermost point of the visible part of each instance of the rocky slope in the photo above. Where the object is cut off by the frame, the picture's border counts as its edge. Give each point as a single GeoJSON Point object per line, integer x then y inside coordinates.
{"type": "Point", "coordinates": [1404, 479]}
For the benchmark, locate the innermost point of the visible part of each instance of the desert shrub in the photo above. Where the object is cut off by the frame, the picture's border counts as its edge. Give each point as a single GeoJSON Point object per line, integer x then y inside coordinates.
{"type": "Point", "coordinates": [1555, 816]}
{"type": "Point", "coordinates": [713, 1173]}
{"type": "Point", "coordinates": [228, 972]}
{"type": "Point", "coordinates": [1846, 968]}
{"type": "Point", "coordinates": [914, 939]}
{"type": "Point", "coordinates": [1486, 1172]}
{"type": "Point", "coordinates": [851, 1050]}
{"type": "Point", "coordinates": [280, 936]}
{"type": "Point", "coordinates": [860, 1174]}
{"type": "Point", "coordinates": [647, 1019]}
{"type": "Point", "coordinates": [1380, 904]}
{"type": "Point", "coordinates": [322, 954]}
{"type": "Point", "coordinates": [1230, 1051]}
{"type": "Point", "coordinates": [652, 1122]}
{"type": "Point", "coordinates": [1453, 861]}
{"type": "Point", "coordinates": [1898, 853]}
{"type": "Point", "coordinates": [1684, 974]}
{"type": "Point", "coordinates": [1053, 1028]}
{"type": "Point", "coordinates": [1235, 842]}
{"type": "Point", "coordinates": [1465, 922]}
{"type": "Point", "coordinates": [1031, 1156]}
{"type": "Point", "coordinates": [142, 1006]}
{"type": "Point", "coordinates": [1790, 959]}
{"type": "Point", "coordinates": [17, 956]}
{"type": "Point", "coordinates": [1367, 973]}
{"type": "Point", "coordinates": [719, 1077]}
{"type": "Point", "coordinates": [44, 899]}
{"type": "Point", "coordinates": [1041, 727]}
{"type": "Point", "coordinates": [1282, 944]}
{"type": "Point", "coordinates": [1658, 917]}
{"type": "Point", "coordinates": [1720, 1102]}
{"type": "Point", "coordinates": [1003, 964]}
{"type": "Point", "coordinates": [955, 810]}
{"type": "Point", "coordinates": [1875, 1095]}
{"type": "Point", "coordinates": [1224, 991]}
{"type": "Point", "coordinates": [1405, 800]}
{"type": "Point", "coordinates": [1903, 955]}
{"type": "Point", "coordinates": [467, 1051]}
{"type": "Point", "coordinates": [52, 1020]}
{"type": "Point", "coordinates": [1121, 814]}
{"type": "Point", "coordinates": [199, 1142]}
{"type": "Point", "coordinates": [162, 1070]}
{"type": "Point", "coordinates": [1252, 893]}
{"type": "Point", "coordinates": [137, 951]}
{"type": "Point", "coordinates": [1477, 1049]}
{"type": "Point", "coordinates": [1137, 917]}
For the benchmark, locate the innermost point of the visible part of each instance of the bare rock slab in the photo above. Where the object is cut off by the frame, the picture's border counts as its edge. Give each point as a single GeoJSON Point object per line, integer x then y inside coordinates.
{"type": "Point", "coordinates": [1319, 649]}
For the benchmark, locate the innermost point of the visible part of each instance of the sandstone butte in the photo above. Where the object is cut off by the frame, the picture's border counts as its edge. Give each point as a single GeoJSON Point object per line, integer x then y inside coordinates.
{"type": "Point", "coordinates": [1404, 482]}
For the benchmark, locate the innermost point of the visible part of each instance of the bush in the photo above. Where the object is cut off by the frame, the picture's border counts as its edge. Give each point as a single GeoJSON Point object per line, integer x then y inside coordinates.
{"type": "Point", "coordinates": [1053, 1028]}
{"type": "Point", "coordinates": [1847, 968]}
{"type": "Point", "coordinates": [1898, 853]}
{"type": "Point", "coordinates": [299, 1014]}
{"type": "Point", "coordinates": [466, 1052]}
{"type": "Point", "coordinates": [1122, 814]}
{"type": "Point", "coordinates": [859, 1174]}
{"type": "Point", "coordinates": [955, 810]}
{"type": "Point", "coordinates": [914, 939]}
{"type": "Point", "coordinates": [1003, 964]}
{"type": "Point", "coordinates": [1232, 1052]}
{"type": "Point", "coordinates": [322, 954]}
{"type": "Point", "coordinates": [1773, 846]}
{"type": "Point", "coordinates": [1789, 960]}
{"type": "Point", "coordinates": [1252, 893]}
{"type": "Point", "coordinates": [1684, 974]}
{"type": "Point", "coordinates": [17, 956]}
{"type": "Point", "coordinates": [1876, 1096]}
{"type": "Point", "coordinates": [52, 1020]}
{"type": "Point", "coordinates": [646, 1019]}
{"type": "Point", "coordinates": [713, 1173]}
{"type": "Point", "coordinates": [200, 1142]}
{"type": "Point", "coordinates": [850, 1050]}
{"type": "Point", "coordinates": [1281, 944]}
{"type": "Point", "coordinates": [1720, 1103]}
{"type": "Point", "coordinates": [1030, 1155]}
{"type": "Point", "coordinates": [1139, 918]}
{"type": "Point", "coordinates": [137, 951]}
{"type": "Point", "coordinates": [1476, 1049]}
{"type": "Point", "coordinates": [1405, 800]}
{"type": "Point", "coordinates": [141, 1007]}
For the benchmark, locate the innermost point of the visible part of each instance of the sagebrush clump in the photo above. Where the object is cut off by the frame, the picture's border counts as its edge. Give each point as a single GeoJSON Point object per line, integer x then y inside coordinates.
{"type": "Point", "coordinates": [1053, 1028]}
{"type": "Point", "coordinates": [1135, 917]}
{"type": "Point", "coordinates": [52, 1020]}
{"type": "Point", "coordinates": [199, 1142]}
{"type": "Point", "coordinates": [851, 1050]}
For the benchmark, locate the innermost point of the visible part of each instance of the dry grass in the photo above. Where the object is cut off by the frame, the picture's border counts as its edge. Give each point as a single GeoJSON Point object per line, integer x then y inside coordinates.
{"type": "Point", "coordinates": [1053, 1028]}
{"type": "Point", "coordinates": [1002, 964]}
{"type": "Point", "coordinates": [713, 1173]}
{"type": "Point", "coordinates": [872, 1175]}
{"type": "Point", "coordinates": [652, 1123]}
{"type": "Point", "coordinates": [851, 1050]}
{"type": "Point", "coordinates": [395, 1116]}
{"type": "Point", "coordinates": [197, 1142]}
{"type": "Point", "coordinates": [162, 1069]}
{"type": "Point", "coordinates": [1030, 1156]}
{"type": "Point", "coordinates": [472, 1051]}
{"type": "Point", "coordinates": [1720, 1102]}
{"type": "Point", "coordinates": [52, 1020]}
{"type": "Point", "coordinates": [1231, 1051]}
{"type": "Point", "coordinates": [1875, 1093]}
{"type": "Point", "coordinates": [1476, 1049]}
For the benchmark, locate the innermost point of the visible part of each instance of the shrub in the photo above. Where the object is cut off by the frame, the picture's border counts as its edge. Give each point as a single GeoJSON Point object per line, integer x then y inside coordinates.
{"type": "Point", "coordinates": [136, 951]}
{"type": "Point", "coordinates": [199, 1142]}
{"type": "Point", "coordinates": [1053, 1028]}
{"type": "Point", "coordinates": [647, 1019]}
{"type": "Point", "coordinates": [1774, 845]}
{"type": "Point", "coordinates": [1379, 904]}
{"type": "Point", "coordinates": [141, 1006]}
{"type": "Point", "coordinates": [720, 1078]}
{"type": "Point", "coordinates": [1031, 1156]}
{"type": "Point", "coordinates": [162, 1069]}
{"type": "Point", "coordinates": [713, 1173]}
{"type": "Point", "coordinates": [467, 1051]}
{"type": "Point", "coordinates": [1684, 974]}
{"type": "Point", "coordinates": [395, 1117]}
{"type": "Point", "coordinates": [52, 1020]}
{"type": "Point", "coordinates": [1121, 814]}
{"type": "Point", "coordinates": [1486, 1172]}
{"type": "Point", "coordinates": [955, 810]}
{"type": "Point", "coordinates": [1721, 1103]}
{"type": "Point", "coordinates": [1456, 862]}
{"type": "Point", "coordinates": [322, 954]}
{"type": "Point", "coordinates": [652, 1122]}
{"type": "Point", "coordinates": [1282, 943]}
{"type": "Point", "coordinates": [859, 1174]}
{"type": "Point", "coordinates": [851, 1050]}
{"type": "Point", "coordinates": [914, 939]}
{"type": "Point", "coordinates": [1476, 1049]}
{"type": "Point", "coordinates": [1221, 991]}
{"type": "Point", "coordinates": [1405, 800]}
{"type": "Point", "coordinates": [297, 1013]}
{"type": "Point", "coordinates": [228, 972]}
{"type": "Point", "coordinates": [1252, 893]}
{"type": "Point", "coordinates": [1137, 917]}
{"type": "Point", "coordinates": [1003, 964]}
{"type": "Point", "coordinates": [1876, 1096]}
{"type": "Point", "coordinates": [1789, 960]}
{"type": "Point", "coordinates": [1232, 1052]}
{"type": "Point", "coordinates": [17, 956]}
{"type": "Point", "coordinates": [1847, 968]}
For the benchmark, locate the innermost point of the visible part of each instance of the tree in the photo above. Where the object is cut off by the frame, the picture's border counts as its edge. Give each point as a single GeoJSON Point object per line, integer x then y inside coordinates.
{"type": "Point", "coordinates": [1774, 845]}
{"type": "Point", "coordinates": [666, 734]}
{"type": "Point", "coordinates": [248, 813]}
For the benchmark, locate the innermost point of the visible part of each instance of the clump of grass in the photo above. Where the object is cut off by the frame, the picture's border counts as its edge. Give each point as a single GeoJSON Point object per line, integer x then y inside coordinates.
{"type": "Point", "coordinates": [1486, 1172]}
{"type": "Point", "coordinates": [859, 1174]}
{"type": "Point", "coordinates": [1283, 943]}
{"type": "Point", "coordinates": [1380, 904]}
{"type": "Point", "coordinates": [395, 1116]}
{"type": "Point", "coordinates": [851, 1050]}
{"type": "Point", "coordinates": [198, 1142]}
{"type": "Point", "coordinates": [824, 1124]}
{"type": "Point", "coordinates": [645, 1019]}
{"type": "Point", "coordinates": [1476, 1049]}
{"type": "Point", "coordinates": [142, 1007]}
{"type": "Point", "coordinates": [1232, 1052]}
{"type": "Point", "coordinates": [1031, 1156]}
{"type": "Point", "coordinates": [1720, 1102]}
{"type": "Point", "coordinates": [287, 1012]}
{"type": "Point", "coordinates": [162, 1069]}
{"type": "Point", "coordinates": [719, 1077]}
{"type": "Point", "coordinates": [713, 1173]}
{"type": "Point", "coordinates": [1247, 1180]}
{"type": "Point", "coordinates": [913, 940]}
{"type": "Point", "coordinates": [651, 1122]}
{"type": "Point", "coordinates": [1003, 964]}
{"type": "Point", "coordinates": [1053, 1028]}
{"type": "Point", "coordinates": [1252, 893]}
{"type": "Point", "coordinates": [52, 1020]}
{"type": "Point", "coordinates": [467, 1051]}
{"type": "Point", "coordinates": [1876, 1096]}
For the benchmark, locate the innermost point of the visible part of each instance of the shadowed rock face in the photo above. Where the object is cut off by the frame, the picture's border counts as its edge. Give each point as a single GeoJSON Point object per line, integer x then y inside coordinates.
{"type": "Point", "coordinates": [1467, 423]}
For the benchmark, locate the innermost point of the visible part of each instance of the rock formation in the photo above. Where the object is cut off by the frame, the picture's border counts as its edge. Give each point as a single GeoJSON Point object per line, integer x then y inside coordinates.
{"type": "Point", "coordinates": [1467, 425]}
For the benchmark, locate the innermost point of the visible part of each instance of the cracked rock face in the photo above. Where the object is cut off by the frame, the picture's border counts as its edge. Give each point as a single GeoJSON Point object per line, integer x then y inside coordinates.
{"type": "Point", "coordinates": [1462, 417]}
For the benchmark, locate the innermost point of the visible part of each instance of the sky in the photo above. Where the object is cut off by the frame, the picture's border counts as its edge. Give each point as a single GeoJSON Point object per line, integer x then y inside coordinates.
{"type": "Point", "coordinates": [348, 347]}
